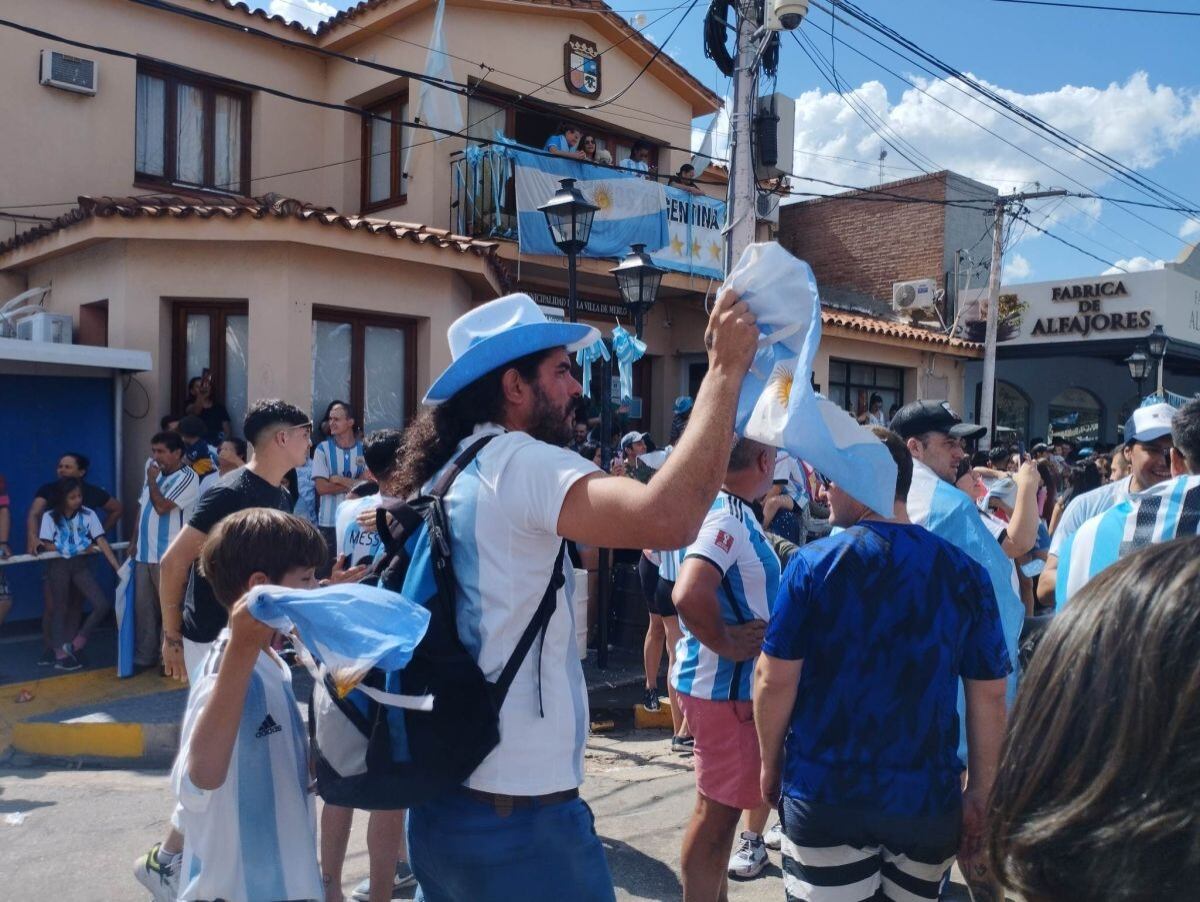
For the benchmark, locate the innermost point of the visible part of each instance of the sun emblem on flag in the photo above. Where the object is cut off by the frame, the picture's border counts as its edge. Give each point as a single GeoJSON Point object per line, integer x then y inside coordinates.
{"type": "Point", "coordinates": [781, 382]}
{"type": "Point", "coordinates": [602, 197]}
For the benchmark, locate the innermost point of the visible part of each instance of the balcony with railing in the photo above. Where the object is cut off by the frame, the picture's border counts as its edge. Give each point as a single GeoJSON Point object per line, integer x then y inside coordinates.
{"type": "Point", "coordinates": [482, 196]}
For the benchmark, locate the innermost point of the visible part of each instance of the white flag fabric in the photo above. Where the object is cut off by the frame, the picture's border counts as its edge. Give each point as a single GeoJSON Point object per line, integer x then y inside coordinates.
{"type": "Point", "coordinates": [703, 157]}
{"type": "Point", "coordinates": [778, 405]}
{"type": "Point", "coordinates": [437, 106]}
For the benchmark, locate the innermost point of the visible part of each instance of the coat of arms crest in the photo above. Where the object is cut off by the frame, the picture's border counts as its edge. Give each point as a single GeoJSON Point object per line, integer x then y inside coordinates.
{"type": "Point", "coordinates": [582, 66]}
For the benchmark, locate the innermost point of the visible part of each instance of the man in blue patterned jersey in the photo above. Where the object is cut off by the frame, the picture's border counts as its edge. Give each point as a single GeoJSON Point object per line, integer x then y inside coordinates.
{"type": "Point", "coordinates": [168, 496]}
{"type": "Point", "coordinates": [337, 465]}
{"type": "Point", "coordinates": [723, 593]}
{"type": "Point", "coordinates": [855, 701]}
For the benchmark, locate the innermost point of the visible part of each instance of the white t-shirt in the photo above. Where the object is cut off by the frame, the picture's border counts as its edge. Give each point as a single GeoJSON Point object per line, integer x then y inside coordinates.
{"type": "Point", "coordinates": [503, 511]}
{"type": "Point", "coordinates": [156, 531]}
{"type": "Point", "coordinates": [331, 460]}
{"type": "Point", "coordinates": [360, 545]}
{"type": "Point", "coordinates": [255, 837]}
{"type": "Point", "coordinates": [1083, 507]}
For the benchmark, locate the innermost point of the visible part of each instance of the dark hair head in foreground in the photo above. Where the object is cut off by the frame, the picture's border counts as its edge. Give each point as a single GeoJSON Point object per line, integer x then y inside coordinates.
{"type": "Point", "coordinates": [1098, 794]}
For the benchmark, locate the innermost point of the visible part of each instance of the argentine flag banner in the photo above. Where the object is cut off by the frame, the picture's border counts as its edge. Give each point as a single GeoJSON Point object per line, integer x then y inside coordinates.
{"type": "Point", "coordinates": [348, 628]}
{"type": "Point", "coordinates": [778, 405]}
{"type": "Point", "coordinates": [1164, 512]}
{"type": "Point", "coordinates": [632, 210]}
{"type": "Point", "coordinates": [695, 244]}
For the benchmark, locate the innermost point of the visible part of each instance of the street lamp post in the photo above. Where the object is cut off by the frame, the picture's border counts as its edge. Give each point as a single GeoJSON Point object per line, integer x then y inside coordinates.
{"type": "Point", "coordinates": [1156, 346]}
{"type": "Point", "coordinates": [638, 280]}
{"type": "Point", "coordinates": [1138, 363]}
{"type": "Point", "coordinates": [569, 217]}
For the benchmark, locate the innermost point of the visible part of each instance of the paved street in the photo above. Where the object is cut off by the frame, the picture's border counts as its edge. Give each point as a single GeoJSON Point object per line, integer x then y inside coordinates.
{"type": "Point", "coordinates": [82, 828]}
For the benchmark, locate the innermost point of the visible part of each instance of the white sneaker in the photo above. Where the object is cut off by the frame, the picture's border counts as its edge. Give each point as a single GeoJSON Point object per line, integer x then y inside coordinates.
{"type": "Point", "coordinates": [161, 881]}
{"type": "Point", "coordinates": [403, 880]}
{"type": "Point", "coordinates": [773, 838]}
{"type": "Point", "coordinates": [749, 858]}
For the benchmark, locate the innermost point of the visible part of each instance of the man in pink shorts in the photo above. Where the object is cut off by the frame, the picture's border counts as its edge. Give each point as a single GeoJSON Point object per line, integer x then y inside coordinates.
{"type": "Point", "coordinates": [726, 585]}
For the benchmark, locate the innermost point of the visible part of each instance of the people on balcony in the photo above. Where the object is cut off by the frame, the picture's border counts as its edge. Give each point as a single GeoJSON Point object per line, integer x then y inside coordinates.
{"type": "Point", "coordinates": [639, 158]}
{"type": "Point", "coordinates": [566, 142]}
{"type": "Point", "coordinates": [685, 179]}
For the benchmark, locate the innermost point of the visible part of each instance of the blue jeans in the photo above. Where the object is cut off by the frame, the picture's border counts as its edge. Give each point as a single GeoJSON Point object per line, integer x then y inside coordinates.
{"type": "Point", "coordinates": [460, 849]}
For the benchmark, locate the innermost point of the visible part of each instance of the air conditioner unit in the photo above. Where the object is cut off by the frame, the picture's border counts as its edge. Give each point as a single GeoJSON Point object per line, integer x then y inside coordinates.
{"type": "Point", "coordinates": [920, 294]}
{"type": "Point", "coordinates": [70, 73]}
{"type": "Point", "coordinates": [766, 207]}
{"type": "Point", "coordinates": [52, 327]}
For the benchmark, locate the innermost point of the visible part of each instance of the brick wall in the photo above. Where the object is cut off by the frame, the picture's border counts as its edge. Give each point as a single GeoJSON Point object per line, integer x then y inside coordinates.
{"type": "Point", "coordinates": [860, 247]}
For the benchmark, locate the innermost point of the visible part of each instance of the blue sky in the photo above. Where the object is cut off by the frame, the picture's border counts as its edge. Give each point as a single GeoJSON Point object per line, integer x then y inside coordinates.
{"type": "Point", "coordinates": [1125, 83]}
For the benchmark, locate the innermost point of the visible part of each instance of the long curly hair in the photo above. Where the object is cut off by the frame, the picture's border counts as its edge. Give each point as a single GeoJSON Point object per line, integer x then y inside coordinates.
{"type": "Point", "coordinates": [435, 432]}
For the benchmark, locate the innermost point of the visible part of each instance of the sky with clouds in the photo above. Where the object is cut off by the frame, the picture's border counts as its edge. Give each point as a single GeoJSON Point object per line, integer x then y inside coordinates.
{"type": "Point", "coordinates": [1124, 83]}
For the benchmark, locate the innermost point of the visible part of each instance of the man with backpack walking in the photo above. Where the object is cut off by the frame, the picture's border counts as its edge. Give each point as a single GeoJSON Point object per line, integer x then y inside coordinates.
{"type": "Point", "coordinates": [493, 439]}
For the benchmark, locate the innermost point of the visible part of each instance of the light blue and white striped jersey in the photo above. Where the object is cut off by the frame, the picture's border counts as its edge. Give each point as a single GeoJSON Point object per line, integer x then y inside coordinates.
{"type": "Point", "coordinates": [1163, 512]}
{"type": "Point", "coordinates": [359, 545]}
{"type": "Point", "coordinates": [732, 540]}
{"type": "Point", "coordinates": [330, 460]}
{"type": "Point", "coordinates": [73, 536]}
{"type": "Point", "coordinates": [254, 837]}
{"type": "Point", "coordinates": [1083, 507]}
{"type": "Point", "coordinates": [668, 564]}
{"type": "Point", "coordinates": [503, 511]}
{"type": "Point", "coordinates": [156, 531]}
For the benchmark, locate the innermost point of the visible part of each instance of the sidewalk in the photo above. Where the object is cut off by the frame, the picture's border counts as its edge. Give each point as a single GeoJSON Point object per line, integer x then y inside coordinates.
{"type": "Point", "coordinates": [92, 717]}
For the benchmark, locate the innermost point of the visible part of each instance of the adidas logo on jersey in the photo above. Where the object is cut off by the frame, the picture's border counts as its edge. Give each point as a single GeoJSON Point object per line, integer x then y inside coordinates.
{"type": "Point", "coordinates": [267, 727]}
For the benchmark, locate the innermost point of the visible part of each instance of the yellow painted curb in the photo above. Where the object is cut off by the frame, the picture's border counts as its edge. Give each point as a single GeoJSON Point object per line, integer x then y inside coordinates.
{"type": "Point", "coordinates": [651, 720]}
{"type": "Point", "coordinates": [67, 740]}
{"type": "Point", "coordinates": [72, 690]}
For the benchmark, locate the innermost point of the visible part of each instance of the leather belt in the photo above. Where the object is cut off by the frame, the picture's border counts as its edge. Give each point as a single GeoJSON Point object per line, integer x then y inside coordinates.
{"type": "Point", "coordinates": [505, 804]}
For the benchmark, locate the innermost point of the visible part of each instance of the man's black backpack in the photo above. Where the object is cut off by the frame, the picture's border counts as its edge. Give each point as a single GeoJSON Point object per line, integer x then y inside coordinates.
{"type": "Point", "coordinates": [404, 737]}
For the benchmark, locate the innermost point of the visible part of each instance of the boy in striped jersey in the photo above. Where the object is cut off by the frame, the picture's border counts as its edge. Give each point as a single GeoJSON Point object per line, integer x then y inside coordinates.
{"type": "Point", "coordinates": [170, 492]}
{"type": "Point", "coordinates": [336, 467]}
{"type": "Point", "coordinates": [724, 591]}
{"type": "Point", "coordinates": [241, 777]}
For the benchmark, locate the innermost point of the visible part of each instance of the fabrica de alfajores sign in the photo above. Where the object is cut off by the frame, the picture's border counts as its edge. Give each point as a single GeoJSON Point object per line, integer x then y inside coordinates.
{"type": "Point", "coordinates": [1091, 315]}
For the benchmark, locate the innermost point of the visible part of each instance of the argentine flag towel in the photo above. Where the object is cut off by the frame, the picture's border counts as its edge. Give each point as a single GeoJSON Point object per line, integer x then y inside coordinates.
{"type": "Point", "coordinates": [349, 628]}
{"type": "Point", "coordinates": [632, 210]}
{"type": "Point", "coordinates": [778, 405]}
{"type": "Point", "coordinates": [1167, 511]}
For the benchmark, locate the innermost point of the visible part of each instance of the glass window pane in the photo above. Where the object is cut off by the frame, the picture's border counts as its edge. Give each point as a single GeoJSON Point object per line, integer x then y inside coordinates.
{"type": "Point", "coordinates": [198, 353]}
{"type": "Point", "coordinates": [406, 140]}
{"type": "Point", "coordinates": [331, 350]}
{"type": "Point", "coordinates": [379, 145]}
{"type": "Point", "coordinates": [149, 128]}
{"type": "Point", "coordinates": [861, 375]}
{"type": "Point", "coordinates": [837, 371]}
{"type": "Point", "coordinates": [837, 394]}
{"type": "Point", "coordinates": [886, 375]}
{"type": "Point", "coordinates": [383, 378]}
{"type": "Point", "coordinates": [484, 118]}
{"type": "Point", "coordinates": [227, 143]}
{"type": "Point", "coordinates": [237, 331]}
{"type": "Point", "coordinates": [189, 134]}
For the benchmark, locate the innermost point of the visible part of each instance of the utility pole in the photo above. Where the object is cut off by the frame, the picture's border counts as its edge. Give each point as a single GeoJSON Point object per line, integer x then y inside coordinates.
{"type": "Point", "coordinates": [988, 392]}
{"type": "Point", "coordinates": [740, 209]}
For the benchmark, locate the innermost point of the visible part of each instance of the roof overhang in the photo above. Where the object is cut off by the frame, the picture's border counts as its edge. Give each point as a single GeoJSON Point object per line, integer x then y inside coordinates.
{"type": "Point", "coordinates": [124, 360]}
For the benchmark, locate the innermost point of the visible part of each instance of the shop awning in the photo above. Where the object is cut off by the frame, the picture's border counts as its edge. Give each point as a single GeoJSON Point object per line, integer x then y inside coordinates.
{"type": "Point", "coordinates": [15, 350]}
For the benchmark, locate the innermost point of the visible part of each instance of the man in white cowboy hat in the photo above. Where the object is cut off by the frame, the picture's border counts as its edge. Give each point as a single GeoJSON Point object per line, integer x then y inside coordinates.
{"type": "Point", "coordinates": [517, 828]}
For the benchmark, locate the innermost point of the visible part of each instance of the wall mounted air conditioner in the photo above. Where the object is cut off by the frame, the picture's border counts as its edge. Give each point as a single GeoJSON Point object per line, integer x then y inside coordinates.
{"type": "Point", "coordinates": [919, 294]}
{"type": "Point", "coordinates": [766, 207]}
{"type": "Point", "coordinates": [43, 326]}
{"type": "Point", "coordinates": [70, 73]}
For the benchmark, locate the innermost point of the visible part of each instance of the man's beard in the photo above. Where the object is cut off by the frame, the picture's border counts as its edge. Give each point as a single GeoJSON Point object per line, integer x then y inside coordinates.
{"type": "Point", "coordinates": [550, 424]}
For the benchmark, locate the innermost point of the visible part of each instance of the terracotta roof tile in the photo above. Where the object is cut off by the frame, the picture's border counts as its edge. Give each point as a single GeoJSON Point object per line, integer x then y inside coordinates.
{"type": "Point", "coordinates": [874, 326]}
{"type": "Point", "coordinates": [245, 9]}
{"type": "Point", "coordinates": [268, 206]}
{"type": "Point", "coordinates": [346, 16]}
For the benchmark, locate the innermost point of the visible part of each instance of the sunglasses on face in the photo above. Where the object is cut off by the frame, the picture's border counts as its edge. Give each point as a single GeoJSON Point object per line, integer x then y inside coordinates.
{"type": "Point", "coordinates": [822, 480]}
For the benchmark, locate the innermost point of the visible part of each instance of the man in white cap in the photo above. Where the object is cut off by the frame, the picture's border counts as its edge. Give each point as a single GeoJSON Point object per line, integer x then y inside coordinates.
{"type": "Point", "coordinates": [517, 827]}
{"type": "Point", "coordinates": [1147, 449]}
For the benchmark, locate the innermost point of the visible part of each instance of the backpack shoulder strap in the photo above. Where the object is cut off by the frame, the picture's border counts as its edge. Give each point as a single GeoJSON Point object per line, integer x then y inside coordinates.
{"type": "Point", "coordinates": [450, 473]}
{"type": "Point", "coordinates": [541, 619]}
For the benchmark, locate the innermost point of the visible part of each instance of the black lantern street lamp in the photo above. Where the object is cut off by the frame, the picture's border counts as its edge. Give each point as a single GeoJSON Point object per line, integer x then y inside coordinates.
{"type": "Point", "coordinates": [569, 217]}
{"type": "Point", "coordinates": [1138, 364]}
{"type": "Point", "coordinates": [638, 280]}
{"type": "Point", "coordinates": [1156, 346]}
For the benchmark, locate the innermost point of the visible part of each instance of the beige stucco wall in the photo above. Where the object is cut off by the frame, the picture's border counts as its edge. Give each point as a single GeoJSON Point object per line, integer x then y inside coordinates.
{"type": "Point", "coordinates": [927, 375]}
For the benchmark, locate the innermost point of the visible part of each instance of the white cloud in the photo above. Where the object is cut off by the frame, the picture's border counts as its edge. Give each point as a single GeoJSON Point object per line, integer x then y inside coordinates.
{"type": "Point", "coordinates": [1190, 229]}
{"type": "Point", "coordinates": [1134, 122]}
{"type": "Point", "coordinates": [1016, 267]}
{"type": "Point", "coordinates": [1134, 264]}
{"type": "Point", "coordinates": [309, 13]}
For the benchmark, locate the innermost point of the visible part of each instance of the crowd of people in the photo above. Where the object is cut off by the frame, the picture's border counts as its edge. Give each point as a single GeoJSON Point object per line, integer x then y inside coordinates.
{"type": "Point", "coordinates": [569, 140]}
{"type": "Point", "coordinates": [1002, 667]}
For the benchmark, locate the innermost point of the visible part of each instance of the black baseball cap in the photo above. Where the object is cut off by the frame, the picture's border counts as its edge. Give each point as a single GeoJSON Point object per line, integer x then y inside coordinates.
{"type": "Point", "coordinates": [932, 416]}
